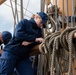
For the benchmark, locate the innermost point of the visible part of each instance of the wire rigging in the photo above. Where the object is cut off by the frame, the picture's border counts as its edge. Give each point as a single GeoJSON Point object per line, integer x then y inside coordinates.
{"type": "Point", "coordinates": [27, 5]}
{"type": "Point", "coordinates": [17, 10]}
{"type": "Point", "coordinates": [24, 8]}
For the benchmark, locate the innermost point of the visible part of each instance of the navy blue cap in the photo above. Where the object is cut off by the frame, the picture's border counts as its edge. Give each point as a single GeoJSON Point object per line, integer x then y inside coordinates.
{"type": "Point", "coordinates": [44, 18]}
{"type": "Point", "coordinates": [6, 36]}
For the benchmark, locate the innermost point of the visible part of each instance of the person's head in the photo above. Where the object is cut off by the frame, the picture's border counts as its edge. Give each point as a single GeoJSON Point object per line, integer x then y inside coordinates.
{"type": "Point", "coordinates": [41, 19]}
{"type": "Point", "coordinates": [5, 37]}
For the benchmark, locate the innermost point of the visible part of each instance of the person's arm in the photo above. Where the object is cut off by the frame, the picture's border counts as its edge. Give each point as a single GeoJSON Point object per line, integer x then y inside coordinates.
{"type": "Point", "coordinates": [25, 43]}
{"type": "Point", "coordinates": [24, 32]}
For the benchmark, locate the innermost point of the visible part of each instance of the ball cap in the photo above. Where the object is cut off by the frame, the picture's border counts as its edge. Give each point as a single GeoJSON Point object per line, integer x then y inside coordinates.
{"type": "Point", "coordinates": [44, 18]}
{"type": "Point", "coordinates": [6, 36]}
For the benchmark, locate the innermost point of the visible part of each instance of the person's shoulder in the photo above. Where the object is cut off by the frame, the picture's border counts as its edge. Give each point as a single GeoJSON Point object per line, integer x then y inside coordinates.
{"type": "Point", "coordinates": [25, 19]}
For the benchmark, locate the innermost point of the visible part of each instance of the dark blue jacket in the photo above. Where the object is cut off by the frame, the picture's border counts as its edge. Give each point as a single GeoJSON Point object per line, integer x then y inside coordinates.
{"type": "Point", "coordinates": [26, 30]}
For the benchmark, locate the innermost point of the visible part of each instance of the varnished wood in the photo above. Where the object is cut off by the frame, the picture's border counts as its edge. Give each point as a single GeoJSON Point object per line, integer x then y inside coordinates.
{"type": "Point", "coordinates": [2, 1]}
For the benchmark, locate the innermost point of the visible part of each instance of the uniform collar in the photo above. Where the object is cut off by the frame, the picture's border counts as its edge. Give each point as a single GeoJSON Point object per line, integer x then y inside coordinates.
{"type": "Point", "coordinates": [33, 23]}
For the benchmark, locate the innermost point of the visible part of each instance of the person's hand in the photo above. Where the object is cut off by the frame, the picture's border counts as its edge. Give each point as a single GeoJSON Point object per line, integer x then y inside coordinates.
{"type": "Point", "coordinates": [74, 36]}
{"type": "Point", "coordinates": [25, 43]}
{"type": "Point", "coordinates": [39, 40]}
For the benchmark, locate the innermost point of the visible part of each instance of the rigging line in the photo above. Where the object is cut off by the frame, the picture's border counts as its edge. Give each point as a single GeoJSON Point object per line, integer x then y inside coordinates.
{"type": "Point", "coordinates": [27, 5]}
{"type": "Point", "coordinates": [13, 12]}
{"type": "Point", "coordinates": [24, 8]}
{"type": "Point", "coordinates": [21, 9]}
{"type": "Point", "coordinates": [17, 10]}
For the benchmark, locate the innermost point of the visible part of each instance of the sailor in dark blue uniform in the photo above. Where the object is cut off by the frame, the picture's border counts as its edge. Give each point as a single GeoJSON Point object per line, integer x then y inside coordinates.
{"type": "Point", "coordinates": [14, 52]}
{"type": "Point", "coordinates": [5, 37]}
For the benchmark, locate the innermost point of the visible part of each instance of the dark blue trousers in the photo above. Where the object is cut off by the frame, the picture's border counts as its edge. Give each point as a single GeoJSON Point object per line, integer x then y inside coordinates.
{"type": "Point", "coordinates": [9, 61]}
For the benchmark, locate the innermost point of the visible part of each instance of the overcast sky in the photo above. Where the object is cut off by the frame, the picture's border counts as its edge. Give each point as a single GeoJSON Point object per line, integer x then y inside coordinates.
{"type": "Point", "coordinates": [6, 17]}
